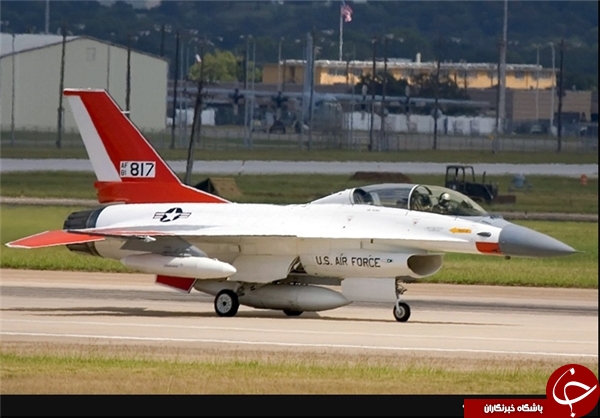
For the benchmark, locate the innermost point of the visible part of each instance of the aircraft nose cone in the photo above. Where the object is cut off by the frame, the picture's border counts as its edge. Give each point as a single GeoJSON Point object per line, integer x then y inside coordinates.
{"type": "Point", "coordinates": [518, 241]}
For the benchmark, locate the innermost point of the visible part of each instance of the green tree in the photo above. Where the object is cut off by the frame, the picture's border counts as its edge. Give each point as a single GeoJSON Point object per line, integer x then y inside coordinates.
{"type": "Point", "coordinates": [448, 89]}
{"type": "Point", "coordinates": [218, 66]}
{"type": "Point", "coordinates": [222, 66]}
{"type": "Point", "coordinates": [393, 86]}
{"type": "Point", "coordinates": [424, 85]}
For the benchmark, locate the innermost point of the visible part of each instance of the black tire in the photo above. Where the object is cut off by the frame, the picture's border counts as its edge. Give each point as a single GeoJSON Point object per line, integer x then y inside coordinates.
{"type": "Point", "coordinates": [226, 303]}
{"type": "Point", "coordinates": [290, 312]}
{"type": "Point", "coordinates": [401, 312]}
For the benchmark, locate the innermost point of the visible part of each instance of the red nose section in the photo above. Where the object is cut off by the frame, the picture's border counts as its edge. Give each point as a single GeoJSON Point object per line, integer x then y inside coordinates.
{"type": "Point", "coordinates": [488, 248]}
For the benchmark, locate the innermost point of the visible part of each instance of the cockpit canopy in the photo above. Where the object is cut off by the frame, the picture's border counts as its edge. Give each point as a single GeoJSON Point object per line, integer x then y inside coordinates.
{"type": "Point", "coordinates": [419, 197]}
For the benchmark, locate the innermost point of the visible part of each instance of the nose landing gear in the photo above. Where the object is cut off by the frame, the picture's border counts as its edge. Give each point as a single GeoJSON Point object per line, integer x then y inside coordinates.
{"type": "Point", "coordinates": [401, 310]}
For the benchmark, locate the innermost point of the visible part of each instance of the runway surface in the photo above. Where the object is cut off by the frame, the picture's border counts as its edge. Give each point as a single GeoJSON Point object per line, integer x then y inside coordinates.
{"type": "Point", "coordinates": [447, 320]}
{"type": "Point", "coordinates": [237, 167]}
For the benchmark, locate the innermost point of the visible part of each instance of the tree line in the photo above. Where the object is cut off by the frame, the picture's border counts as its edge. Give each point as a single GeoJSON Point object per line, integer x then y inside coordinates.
{"type": "Point", "coordinates": [471, 29]}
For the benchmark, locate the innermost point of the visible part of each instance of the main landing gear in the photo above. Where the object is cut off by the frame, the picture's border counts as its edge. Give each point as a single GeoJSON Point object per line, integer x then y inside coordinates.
{"type": "Point", "coordinates": [226, 303]}
{"type": "Point", "coordinates": [401, 310]}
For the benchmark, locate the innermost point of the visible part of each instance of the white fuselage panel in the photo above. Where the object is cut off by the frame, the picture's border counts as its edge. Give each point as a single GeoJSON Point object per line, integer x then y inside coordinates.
{"type": "Point", "coordinates": [314, 233]}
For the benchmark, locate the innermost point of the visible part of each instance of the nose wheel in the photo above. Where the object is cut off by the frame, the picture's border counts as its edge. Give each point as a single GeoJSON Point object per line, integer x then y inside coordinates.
{"type": "Point", "coordinates": [401, 310]}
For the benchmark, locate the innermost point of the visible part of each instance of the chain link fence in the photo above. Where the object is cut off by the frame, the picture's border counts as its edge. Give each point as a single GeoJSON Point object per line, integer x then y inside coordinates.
{"type": "Point", "coordinates": [235, 137]}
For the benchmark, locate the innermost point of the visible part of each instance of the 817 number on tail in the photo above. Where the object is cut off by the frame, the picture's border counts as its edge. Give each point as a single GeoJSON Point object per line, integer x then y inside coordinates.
{"type": "Point", "coordinates": [146, 169]}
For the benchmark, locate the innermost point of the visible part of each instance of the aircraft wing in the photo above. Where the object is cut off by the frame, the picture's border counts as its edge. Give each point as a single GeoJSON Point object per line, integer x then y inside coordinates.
{"type": "Point", "coordinates": [54, 238]}
{"type": "Point", "coordinates": [189, 232]}
{"type": "Point", "coordinates": [234, 235]}
{"type": "Point", "coordinates": [146, 235]}
{"type": "Point", "coordinates": [167, 236]}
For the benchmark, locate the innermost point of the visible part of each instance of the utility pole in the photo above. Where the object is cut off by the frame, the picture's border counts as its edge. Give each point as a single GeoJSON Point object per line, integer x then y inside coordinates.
{"type": "Point", "coordinates": [12, 100]}
{"type": "Point", "coordinates": [435, 105]}
{"type": "Point", "coordinates": [373, 73]}
{"type": "Point", "coordinates": [197, 122]}
{"type": "Point", "coordinates": [108, 67]}
{"type": "Point", "coordinates": [246, 53]}
{"type": "Point", "coordinates": [162, 40]}
{"type": "Point", "coordinates": [497, 126]}
{"type": "Point", "coordinates": [351, 114]}
{"type": "Point", "coordinates": [174, 112]}
{"type": "Point", "coordinates": [252, 88]}
{"type": "Point", "coordinates": [561, 92]}
{"type": "Point", "coordinates": [279, 64]}
{"type": "Point", "coordinates": [537, 85]}
{"type": "Point", "coordinates": [247, 99]}
{"type": "Point", "coordinates": [437, 93]}
{"type": "Point", "coordinates": [61, 88]}
{"type": "Point", "coordinates": [128, 85]}
{"type": "Point", "coordinates": [311, 109]}
{"type": "Point", "coordinates": [47, 18]}
{"type": "Point", "coordinates": [553, 89]}
{"type": "Point", "coordinates": [382, 140]}
{"type": "Point", "coordinates": [502, 79]}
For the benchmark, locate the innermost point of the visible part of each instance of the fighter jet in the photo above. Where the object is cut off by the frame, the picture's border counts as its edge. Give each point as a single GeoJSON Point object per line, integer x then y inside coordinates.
{"type": "Point", "coordinates": [282, 257]}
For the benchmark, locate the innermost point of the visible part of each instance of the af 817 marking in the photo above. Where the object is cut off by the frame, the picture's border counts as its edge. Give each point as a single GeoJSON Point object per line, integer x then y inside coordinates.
{"type": "Point", "coordinates": [146, 169]}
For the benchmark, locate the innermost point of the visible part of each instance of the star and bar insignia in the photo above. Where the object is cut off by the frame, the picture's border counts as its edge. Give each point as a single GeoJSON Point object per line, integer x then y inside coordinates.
{"type": "Point", "coordinates": [171, 215]}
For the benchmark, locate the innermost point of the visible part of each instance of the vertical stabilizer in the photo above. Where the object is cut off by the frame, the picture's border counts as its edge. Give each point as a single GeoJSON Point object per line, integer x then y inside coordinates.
{"type": "Point", "coordinates": [127, 167]}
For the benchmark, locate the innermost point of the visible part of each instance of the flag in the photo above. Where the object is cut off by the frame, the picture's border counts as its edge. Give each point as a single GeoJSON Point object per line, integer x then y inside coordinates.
{"type": "Point", "coordinates": [346, 12]}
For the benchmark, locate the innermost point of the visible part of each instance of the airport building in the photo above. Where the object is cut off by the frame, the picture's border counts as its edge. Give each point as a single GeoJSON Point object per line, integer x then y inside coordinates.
{"type": "Point", "coordinates": [30, 80]}
{"type": "Point", "coordinates": [466, 75]}
{"type": "Point", "coordinates": [530, 101]}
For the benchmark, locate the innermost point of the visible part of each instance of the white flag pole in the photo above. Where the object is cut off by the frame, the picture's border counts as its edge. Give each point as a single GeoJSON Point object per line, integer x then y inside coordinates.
{"type": "Point", "coordinates": [341, 32]}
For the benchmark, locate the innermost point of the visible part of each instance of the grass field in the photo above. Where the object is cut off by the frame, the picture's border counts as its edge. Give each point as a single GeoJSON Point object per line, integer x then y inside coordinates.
{"type": "Point", "coordinates": [113, 369]}
{"type": "Point", "coordinates": [42, 145]}
{"type": "Point", "coordinates": [548, 193]}
{"type": "Point", "coordinates": [32, 368]}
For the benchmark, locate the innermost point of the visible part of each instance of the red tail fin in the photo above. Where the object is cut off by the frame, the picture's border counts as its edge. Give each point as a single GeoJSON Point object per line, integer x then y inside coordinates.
{"type": "Point", "coordinates": [127, 167]}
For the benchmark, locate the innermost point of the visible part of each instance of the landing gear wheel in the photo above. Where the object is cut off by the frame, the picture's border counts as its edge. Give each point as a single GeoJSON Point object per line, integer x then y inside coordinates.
{"type": "Point", "coordinates": [401, 312]}
{"type": "Point", "coordinates": [226, 303]}
{"type": "Point", "coordinates": [290, 312]}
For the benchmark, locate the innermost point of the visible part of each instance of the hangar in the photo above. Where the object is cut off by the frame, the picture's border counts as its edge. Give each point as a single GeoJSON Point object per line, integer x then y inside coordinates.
{"type": "Point", "coordinates": [30, 80]}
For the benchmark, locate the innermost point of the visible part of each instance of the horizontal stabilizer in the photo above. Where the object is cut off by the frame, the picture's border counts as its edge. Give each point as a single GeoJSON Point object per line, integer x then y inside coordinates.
{"type": "Point", "coordinates": [53, 238]}
{"type": "Point", "coordinates": [151, 192]}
